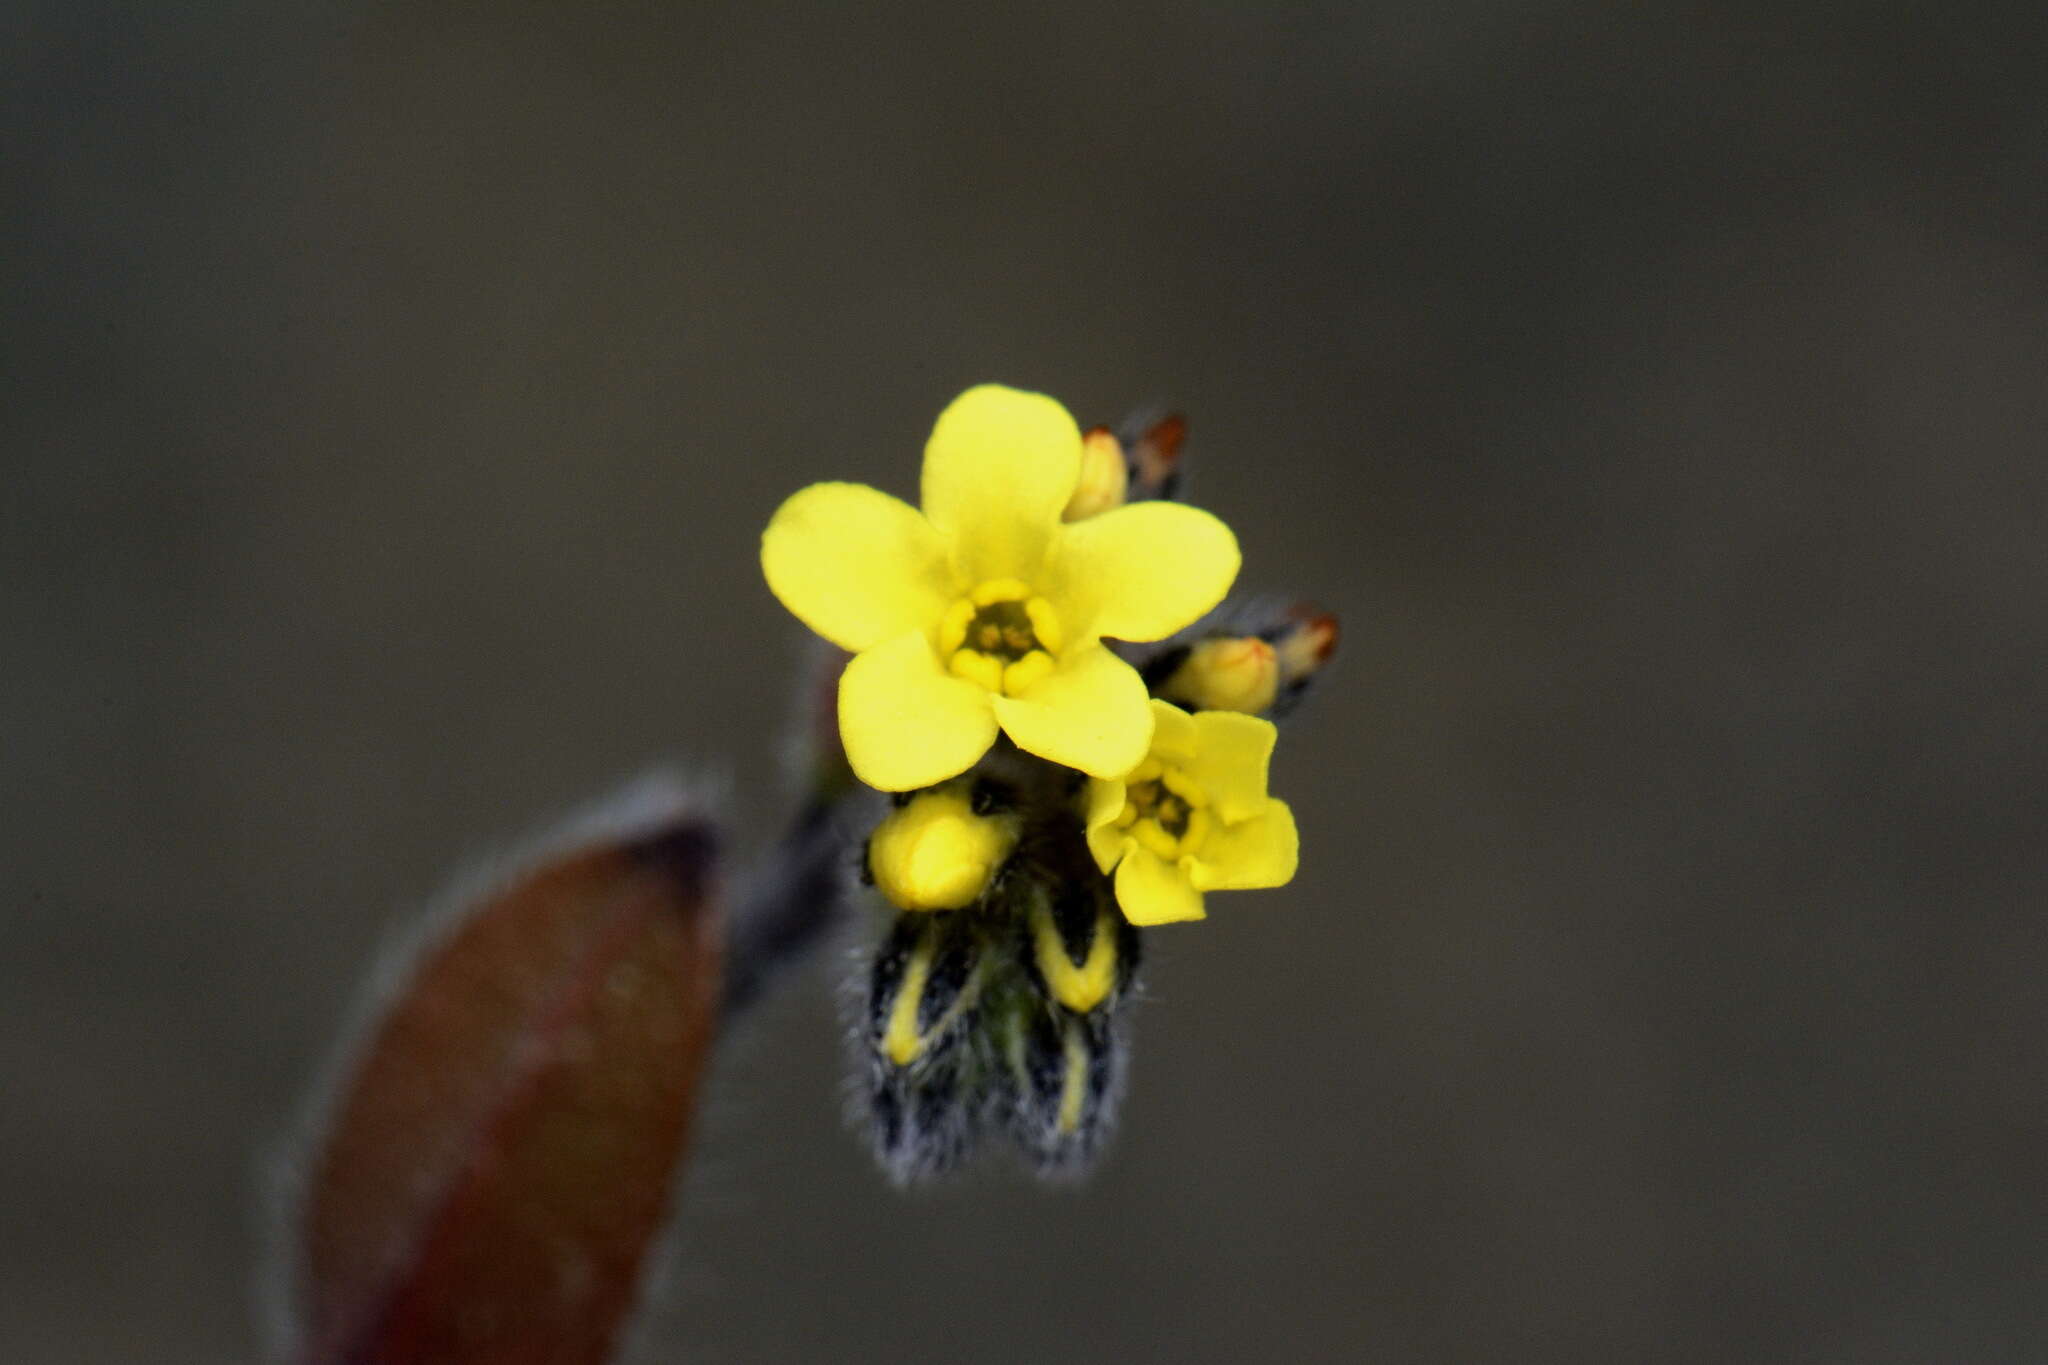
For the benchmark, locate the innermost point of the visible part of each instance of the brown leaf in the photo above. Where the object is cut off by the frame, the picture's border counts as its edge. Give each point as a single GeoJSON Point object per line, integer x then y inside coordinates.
{"type": "Point", "coordinates": [501, 1157]}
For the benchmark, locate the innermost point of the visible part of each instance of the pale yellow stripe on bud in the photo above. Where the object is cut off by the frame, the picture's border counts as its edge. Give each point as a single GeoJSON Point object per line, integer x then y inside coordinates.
{"type": "Point", "coordinates": [1074, 1087]}
{"type": "Point", "coordinates": [901, 1041]}
{"type": "Point", "coordinates": [1080, 988]}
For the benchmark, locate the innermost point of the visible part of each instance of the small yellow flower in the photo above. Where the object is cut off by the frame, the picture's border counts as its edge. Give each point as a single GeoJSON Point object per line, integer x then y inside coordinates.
{"type": "Point", "coordinates": [985, 611]}
{"type": "Point", "coordinates": [935, 853]}
{"type": "Point", "coordinates": [1193, 817]}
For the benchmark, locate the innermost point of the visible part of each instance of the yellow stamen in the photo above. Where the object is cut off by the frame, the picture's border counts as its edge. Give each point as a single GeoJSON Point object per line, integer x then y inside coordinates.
{"type": "Point", "coordinates": [1148, 833]}
{"type": "Point", "coordinates": [1001, 637]}
{"type": "Point", "coordinates": [1030, 669]}
{"type": "Point", "coordinates": [1183, 786]}
{"type": "Point", "coordinates": [1164, 811]}
{"type": "Point", "coordinates": [999, 590]}
{"type": "Point", "coordinates": [1045, 624]}
{"type": "Point", "coordinates": [977, 667]}
{"type": "Point", "coordinates": [953, 626]}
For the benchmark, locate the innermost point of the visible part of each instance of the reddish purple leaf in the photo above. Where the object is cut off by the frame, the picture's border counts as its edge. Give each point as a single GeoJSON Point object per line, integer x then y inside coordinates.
{"type": "Point", "coordinates": [502, 1153]}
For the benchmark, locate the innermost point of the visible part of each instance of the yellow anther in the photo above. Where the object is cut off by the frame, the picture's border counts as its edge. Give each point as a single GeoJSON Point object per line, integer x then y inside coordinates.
{"type": "Point", "coordinates": [1105, 478]}
{"type": "Point", "coordinates": [953, 626]}
{"type": "Point", "coordinates": [1026, 671]}
{"type": "Point", "coordinates": [1240, 674]}
{"type": "Point", "coordinates": [1001, 637]}
{"type": "Point", "coordinates": [977, 667]}
{"type": "Point", "coordinates": [1151, 836]}
{"type": "Point", "coordinates": [1045, 624]}
{"type": "Point", "coordinates": [935, 853]}
{"type": "Point", "coordinates": [999, 590]}
{"type": "Point", "coordinates": [1180, 784]}
{"type": "Point", "coordinates": [1164, 810]}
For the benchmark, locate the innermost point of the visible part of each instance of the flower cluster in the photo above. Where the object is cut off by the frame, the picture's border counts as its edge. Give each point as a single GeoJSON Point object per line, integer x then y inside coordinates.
{"type": "Point", "coordinates": [1075, 738]}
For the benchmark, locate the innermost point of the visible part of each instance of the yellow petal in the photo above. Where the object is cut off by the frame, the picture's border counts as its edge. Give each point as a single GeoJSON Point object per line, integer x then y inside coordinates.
{"type": "Point", "coordinates": [1101, 805]}
{"type": "Point", "coordinates": [1152, 892]}
{"type": "Point", "coordinates": [906, 722]}
{"type": "Point", "coordinates": [998, 470]}
{"type": "Point", "coordinates": [1090, 714]}
{"type": "Point", "coordinates": [855, 564]}
{"type": "Point", "coordinates": [1104, 801]}
{"type": "Point", "coordinates": [1140, 572]}
{"type": "Point", "coordinates": [1108, 843]}
{"type": "Point", "coordinates": [1173, 732]}
{"type": "Point", "coordinates": [1261, 851]}
{"type": "Point", "coordinates": [1232, 752]}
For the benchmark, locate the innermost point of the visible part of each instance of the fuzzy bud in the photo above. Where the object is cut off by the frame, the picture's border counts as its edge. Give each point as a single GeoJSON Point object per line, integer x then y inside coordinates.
{"type": "Point", "coordinates": [1153, 449]}
{"type": "Point", "coordinates": [1305, 644]}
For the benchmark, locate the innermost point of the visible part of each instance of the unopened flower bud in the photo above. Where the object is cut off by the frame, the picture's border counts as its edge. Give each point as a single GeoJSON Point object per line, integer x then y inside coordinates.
{"type": "Point", "coordinates": [1234, 673]}
{"type": "Point", "coordinates": [924, 992]}
{"type": "Point", "coordinates": [1065, 1074]}
{"type": "Point", "coordinates": [1081, 949]}
{"type": "Point", "coordinates": [1303, 644]}
{"type": "Point", "coordinates": [1306, 643]}
{"type": "Point", "coordinates": [1154, 448]}
{"type": "Point", "coordinates": [924, 986]}
{"type": "Point", "coordinates": [934, 853]}
{"type": "Point", "coordinates": [1105, 477]}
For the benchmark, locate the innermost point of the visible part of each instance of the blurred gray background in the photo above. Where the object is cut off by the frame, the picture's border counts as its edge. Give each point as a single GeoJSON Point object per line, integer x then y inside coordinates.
{"type": "Point", "coordinates": [393, 397]}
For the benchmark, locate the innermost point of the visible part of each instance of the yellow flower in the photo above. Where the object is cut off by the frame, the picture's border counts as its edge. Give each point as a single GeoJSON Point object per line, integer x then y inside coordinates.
{"type": "Point", "coordinates": [1193, 817]}
{"type": "Point", "coordinates": [984, 610]}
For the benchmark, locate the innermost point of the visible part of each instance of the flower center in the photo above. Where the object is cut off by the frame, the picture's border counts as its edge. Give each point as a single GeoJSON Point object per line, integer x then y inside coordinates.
{"type": "Point", "coordinates": [1163, 810]}
{"type": "Point", "coordinates": [1001, 635]}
